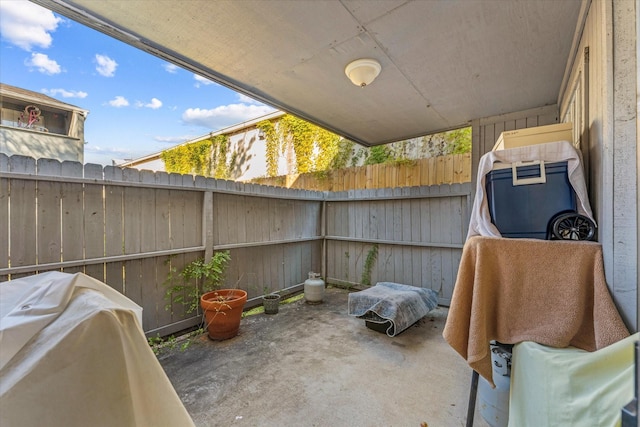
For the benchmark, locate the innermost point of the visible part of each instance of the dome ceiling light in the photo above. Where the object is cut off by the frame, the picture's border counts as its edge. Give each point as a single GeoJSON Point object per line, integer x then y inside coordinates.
{"type": "Point", "coordinates": [363, 72]}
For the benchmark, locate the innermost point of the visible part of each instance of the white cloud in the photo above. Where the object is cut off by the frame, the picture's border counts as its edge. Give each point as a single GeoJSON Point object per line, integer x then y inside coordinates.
{"type": "Point", "coordinates": [225, 115]}
{"type": "Point", "coordinates": [26, 24]}
{"type": "Point", "coordinates": [43, 64]}
{"type": "Point", "coordinates": [171, 68]}
{"type": "Point", "coordinates": [202, 80]}
{"type": "Point", "coordinates": [106, 66]}
{"type": "Point", "coordinates": [65, 93]}
{"type": "Point", "coordinates": [119, 101]}
{"type": "Point", "coordinates": [246, 100]}
{"type": "Point", "coordinates": [154, 104]}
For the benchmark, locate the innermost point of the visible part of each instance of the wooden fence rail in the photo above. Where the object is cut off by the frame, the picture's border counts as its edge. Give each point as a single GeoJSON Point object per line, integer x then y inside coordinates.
{"type": "Point", "coordinates": [128, 228]}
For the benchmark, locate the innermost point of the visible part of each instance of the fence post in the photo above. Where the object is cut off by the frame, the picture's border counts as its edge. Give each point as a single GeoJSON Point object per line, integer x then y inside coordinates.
{"type": "Point", "coordinates": [207, 224]}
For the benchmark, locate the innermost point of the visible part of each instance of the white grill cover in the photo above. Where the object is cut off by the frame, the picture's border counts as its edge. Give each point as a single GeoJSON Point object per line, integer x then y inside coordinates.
{"type": "Point", "coordinates": [73, 353]}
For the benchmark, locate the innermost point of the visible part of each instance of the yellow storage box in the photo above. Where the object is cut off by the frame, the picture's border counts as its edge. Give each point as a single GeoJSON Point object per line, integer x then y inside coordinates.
{"type": "Point", "coordinates": [536, 135]}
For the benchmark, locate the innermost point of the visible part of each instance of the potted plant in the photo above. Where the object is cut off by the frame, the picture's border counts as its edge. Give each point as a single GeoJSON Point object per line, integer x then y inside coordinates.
{"type": "Point", "coordinates": [271, 302]}
{"type": "Point", "coordinates": [222, 308]}
{"type": "Point", "coordinates": [223, 312]}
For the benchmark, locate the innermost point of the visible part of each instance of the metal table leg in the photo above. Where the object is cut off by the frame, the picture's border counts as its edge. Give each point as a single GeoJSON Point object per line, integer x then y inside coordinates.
{"type": "Point", "coordinates": [471, 409]}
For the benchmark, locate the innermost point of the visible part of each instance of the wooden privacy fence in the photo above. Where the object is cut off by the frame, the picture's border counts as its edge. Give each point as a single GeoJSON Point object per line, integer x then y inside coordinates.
{"type": "Point", "coordinates": [410, 235]}
{"type": "Point", "coordinates": [452, 169]}
{"type": "Point", "coordinates": [128, 228]}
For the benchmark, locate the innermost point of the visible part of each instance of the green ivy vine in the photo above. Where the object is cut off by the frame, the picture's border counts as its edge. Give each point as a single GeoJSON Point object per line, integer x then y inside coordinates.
{"type": "Point", "coordinates": [209, 157]}
{"type": "Point", "coordinates": [192, 158]}
{"type": "Point", "coordinates": [273, 145]}
{"type": "Point", "coordinates": [315, 148]}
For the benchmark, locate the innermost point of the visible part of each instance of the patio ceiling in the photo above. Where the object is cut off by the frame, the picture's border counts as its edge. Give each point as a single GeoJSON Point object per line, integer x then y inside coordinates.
{"type": "Point", "coordinates": [444, 63]}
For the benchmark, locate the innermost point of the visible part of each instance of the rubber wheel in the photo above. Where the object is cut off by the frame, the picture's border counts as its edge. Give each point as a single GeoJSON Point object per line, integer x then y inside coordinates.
{"type": "Point", "coordinates": [573, 226]}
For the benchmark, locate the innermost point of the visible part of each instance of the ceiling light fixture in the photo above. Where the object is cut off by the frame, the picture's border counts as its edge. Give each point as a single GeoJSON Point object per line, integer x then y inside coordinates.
{"type": "Point", "coordinates": [363, 72]}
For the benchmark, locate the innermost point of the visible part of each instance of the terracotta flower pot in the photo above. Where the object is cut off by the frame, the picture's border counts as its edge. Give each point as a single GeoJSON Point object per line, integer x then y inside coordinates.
{"type": "Point", "coordinates": [223, 311]}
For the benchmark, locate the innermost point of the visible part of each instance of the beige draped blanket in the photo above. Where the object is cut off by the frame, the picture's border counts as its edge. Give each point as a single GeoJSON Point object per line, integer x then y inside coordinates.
{"type": "Point", "coordinates": [513, 290]}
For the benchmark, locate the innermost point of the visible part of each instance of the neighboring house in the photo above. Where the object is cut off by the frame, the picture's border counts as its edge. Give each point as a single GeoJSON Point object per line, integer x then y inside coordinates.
{"type": "Point", "coordinates": [37, 125]}
{"type": "Point", "coordinates": [245, 139]}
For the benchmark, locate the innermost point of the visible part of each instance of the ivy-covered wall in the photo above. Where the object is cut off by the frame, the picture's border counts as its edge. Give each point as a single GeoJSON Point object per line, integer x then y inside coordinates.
{"type": "Point", "coordinates": [287, 145]}
{"type": "Point", "coordinates": [209, 157]}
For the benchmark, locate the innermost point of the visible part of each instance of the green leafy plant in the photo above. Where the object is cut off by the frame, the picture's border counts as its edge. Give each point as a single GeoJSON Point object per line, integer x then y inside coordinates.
{"type": "Point", "coordinates": [273, 145]}
{"type": "Point", "coordinates": [379, 154]}
{"type": "Point", "coordinates": [372, 256]}
{"type": "Point", "coordinates": [344, 156]}
{"type": "Point", "coordinates": [210, 157]}
{"type": "Point", "coordinates": [159, 344]}
{"type": "Point", "coordinates": [196, 278]}
{"type": "Point", "coordinates": [315, 148]}
{"type": "Point", "coordinates": [194, 158]}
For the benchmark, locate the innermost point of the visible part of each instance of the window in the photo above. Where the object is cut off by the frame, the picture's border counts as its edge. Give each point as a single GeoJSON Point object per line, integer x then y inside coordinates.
{"type": "Point", "coordinates": [35, 117]}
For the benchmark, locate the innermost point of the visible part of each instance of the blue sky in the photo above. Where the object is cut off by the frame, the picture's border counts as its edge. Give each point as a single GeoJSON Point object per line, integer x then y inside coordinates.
{"type": "Point", "coordinates": [138, 104]}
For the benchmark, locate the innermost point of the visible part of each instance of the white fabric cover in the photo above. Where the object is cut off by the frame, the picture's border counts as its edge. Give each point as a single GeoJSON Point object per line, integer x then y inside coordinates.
{"type": "Point", "coordinates": [568, 387]}
{"type": "Point", "coordinates": [73, 353]}
{"type": "Point", "coordinates": [480, 222]}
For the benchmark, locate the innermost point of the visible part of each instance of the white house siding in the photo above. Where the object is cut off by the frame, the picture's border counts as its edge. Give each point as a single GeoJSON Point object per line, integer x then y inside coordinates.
{"type": "Point", "coordinates": [251, 152]}
{"type": "Point", "coordinates": [61, 139]}
{"type": "Point", "coordinates": [30, 143]}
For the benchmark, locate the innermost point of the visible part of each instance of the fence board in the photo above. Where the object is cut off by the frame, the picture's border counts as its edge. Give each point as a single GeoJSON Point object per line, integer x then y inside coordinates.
{"type": "Point", "coordinates": [222, 219]}
{"type": "Point", "coordinates": [252, 213]}
{"type": "Point", "coordinates": [4, 224]}
{"type": "Point", "coordinates": [236, 228]}
{"type": "Point", "coordinates": [191, 209]}
{"type": "Point", "coordinates": [4, 217]}
{"type": "Point", "coordinates": [73, 235]}
{"type": "Point", "coordinates": [132, 220]}
{"type": "Point", "coordinates": [23, 220]}
{"type": "Point", "coordinates": [238, 204]}
{"type": "Point", "coordinates": [93, 224]}
{"type": "Point", "coordinates": [149, 293]}
{"type": "Point", "coordinates": [23, 241]}
{"type": "Point", "coordinates": [147, 221]}
{"type": "Point", "coordinates": [114, 238]}
{"type": "Point", "coordinates": [114, 275]}
{"type": "Point", "coordinates": [132, 286]}
{"type": "Point", "coordinates": [177, 238]}
{"type": "Point", "coordinates": [114, 243]}
{"type": "Point", "coordinates": [162, 213]}
{"type": "Point", "coordinates": [292, 264]}
{"type": "Point", "coordinates": [48, 222]}
{"type": "Point", "coordinates": [48, 214]}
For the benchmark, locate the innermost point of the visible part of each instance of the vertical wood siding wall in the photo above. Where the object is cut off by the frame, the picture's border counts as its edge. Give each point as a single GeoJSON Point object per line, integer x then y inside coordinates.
{"type": "Point", "coordinates": [600, 92]}
{"type": "Point", "coordinates": [127, 228]}
{"type": "Point", "coordinates": [486, 131]}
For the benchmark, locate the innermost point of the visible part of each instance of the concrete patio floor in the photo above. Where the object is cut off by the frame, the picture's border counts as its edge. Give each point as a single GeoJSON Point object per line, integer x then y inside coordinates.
{"type": "Point", "coordinates": [313, 365]}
